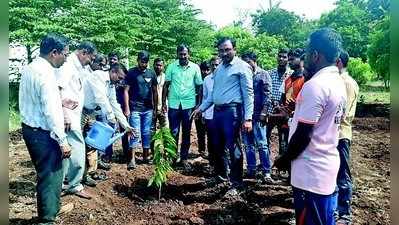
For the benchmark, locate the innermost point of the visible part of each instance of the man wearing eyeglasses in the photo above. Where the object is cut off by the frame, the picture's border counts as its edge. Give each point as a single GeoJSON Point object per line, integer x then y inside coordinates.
{"type": "Point", "coordinates": [233, 99]}
{"type": "Point", "coordinates": [70, 81]}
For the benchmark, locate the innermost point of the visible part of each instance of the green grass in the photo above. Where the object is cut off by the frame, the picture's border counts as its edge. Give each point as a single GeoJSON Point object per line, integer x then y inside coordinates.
{"type": "Point", "coordinates": [14, 120]}
{"type": "Point", "coordinates": [374, 92]}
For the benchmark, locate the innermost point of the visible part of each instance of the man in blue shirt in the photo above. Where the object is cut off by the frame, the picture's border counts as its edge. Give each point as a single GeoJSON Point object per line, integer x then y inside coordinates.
{"type": "Point", "coordinates": [233, 97]}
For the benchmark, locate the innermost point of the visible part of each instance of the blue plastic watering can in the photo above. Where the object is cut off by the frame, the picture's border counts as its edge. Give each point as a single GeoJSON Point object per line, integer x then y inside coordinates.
{"type": "Point", "coordinates": [101, 135]}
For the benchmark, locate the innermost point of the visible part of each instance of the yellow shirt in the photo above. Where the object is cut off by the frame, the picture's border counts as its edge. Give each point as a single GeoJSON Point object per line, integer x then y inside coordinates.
{"type": "Point", "coordinates": [352, 93]}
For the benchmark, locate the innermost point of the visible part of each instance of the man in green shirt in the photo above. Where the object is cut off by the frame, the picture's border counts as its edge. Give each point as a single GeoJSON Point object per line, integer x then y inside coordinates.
{"type": "Point", "coordinates": [182, 77]}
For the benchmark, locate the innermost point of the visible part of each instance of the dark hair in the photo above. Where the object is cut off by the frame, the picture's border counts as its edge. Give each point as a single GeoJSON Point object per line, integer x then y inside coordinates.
{"type": "Point", "coordinates": [297, 53]}
{"type": "Point", "coordinates": [158, 59]}
{"type": "Point", "coordinates": [113, 54]}
{"type": "Point", "coordinates": [181, 47]}
{"type": "Point", "coordinates": [205, 65]}
{"type": "Point", "coordinates": [53, 41]}
{"type": "Point", "coordinates": [87, 46]}
{"type": "Point", "coordinates": [117, 66]}
{"type": "Point", "coordinates": [99, 58]}
{"type": "Point", "coordinates": [143, 56]}
{"type": "Point", "coordinates": [327, 42]}
{"type": "Point", "coordinates": [224, 39]}
{"type": "Point", "coordinates": [344, 57]}
{"type": "Point", "coordinates": [283, 51]}
{"type": "Point", "coordinates": [249, 55]}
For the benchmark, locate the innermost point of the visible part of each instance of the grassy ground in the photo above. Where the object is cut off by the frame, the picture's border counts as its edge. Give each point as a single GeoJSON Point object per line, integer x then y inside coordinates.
{"type": "Point", "coordinates": [14, 120]}
{"type": "Point", "coordinates": [374, 92]}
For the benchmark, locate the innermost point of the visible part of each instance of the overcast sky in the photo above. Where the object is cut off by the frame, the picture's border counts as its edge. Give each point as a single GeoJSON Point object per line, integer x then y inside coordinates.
{"type": "Point", "coordinates": [224, 12]}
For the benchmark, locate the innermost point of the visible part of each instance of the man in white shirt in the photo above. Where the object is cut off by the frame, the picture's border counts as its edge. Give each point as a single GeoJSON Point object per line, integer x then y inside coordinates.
{"type": "Point", "coordinates": [43, 123]}
{"type": "Point", "coordinates": [100, 99]}
{"type": "Point", "coordinates": [71, 78]}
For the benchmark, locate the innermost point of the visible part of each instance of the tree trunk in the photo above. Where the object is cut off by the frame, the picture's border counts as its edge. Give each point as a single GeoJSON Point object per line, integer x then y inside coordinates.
{"type": "Point", "coordinates": [29, 53]}
{"type": "Point", "coordinates": [159, 193]}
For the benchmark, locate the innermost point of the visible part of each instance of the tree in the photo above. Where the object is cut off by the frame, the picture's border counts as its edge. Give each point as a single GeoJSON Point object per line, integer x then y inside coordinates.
{"type": "Point", "coordinates": [265, 46]}
{"type": "Point", "coordinates": [352, 23]}
{"type": "Point", "coordinates": [165, 149]}
{"type": "Point", "coordinates": [280, 22]}
{"type": "Point", "coordinates": [29, 21]}
{"type": "Point", "coordinates": [378, 51]}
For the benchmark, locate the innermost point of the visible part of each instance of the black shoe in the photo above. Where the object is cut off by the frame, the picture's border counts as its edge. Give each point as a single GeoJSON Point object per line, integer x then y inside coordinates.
{"type": "Point", "coordinates": [87, 180]}
{"type": "Point", "coordinates": [103, 165]}
{"type": "Point", "coordinates": [131, 165]}
{"type": "Point", "coordinates": [99, 177]}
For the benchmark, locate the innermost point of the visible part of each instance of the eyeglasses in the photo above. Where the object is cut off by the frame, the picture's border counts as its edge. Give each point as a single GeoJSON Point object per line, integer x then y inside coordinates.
{"type": "Point", "coordinates": [221, 50]}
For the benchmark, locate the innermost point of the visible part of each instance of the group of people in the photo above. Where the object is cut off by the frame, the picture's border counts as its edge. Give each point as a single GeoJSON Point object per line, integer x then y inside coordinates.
{"type": "Point", "coordinates": [235, 105]}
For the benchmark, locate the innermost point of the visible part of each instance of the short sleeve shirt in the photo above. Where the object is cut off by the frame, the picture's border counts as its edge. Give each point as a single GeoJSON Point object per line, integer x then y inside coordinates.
{"type": "Point", "coordinates": [183, 80]}
{"type": "Point", "coordinates": [140, 91]}
{"type": "Point", "coordinates": [321, 102]}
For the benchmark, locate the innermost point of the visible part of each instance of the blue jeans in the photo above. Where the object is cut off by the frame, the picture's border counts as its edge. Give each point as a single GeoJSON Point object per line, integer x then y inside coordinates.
{"type": "Point", "coordinates": [344, 180]}
{"type": "Point", "coordinates": [74, 166]}
{"type": "Point", "coordinates": [141, 123]}
{"type": "Point", "coordinates": [177, 117]}
{"type": "Point", "coordinates": [47, 159]}
{"type": "Point", "coordinates": [312, 208]}
{"type": "Point", "coordinates": [228, 120]}
{"type": "Point", "coordinates": [256, 139]}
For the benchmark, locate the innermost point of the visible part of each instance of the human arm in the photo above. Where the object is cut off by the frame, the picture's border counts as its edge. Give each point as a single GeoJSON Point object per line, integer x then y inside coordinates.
{"type": "Point", "coordinates": [267, 102]}
{"type": "Point", "coordinates": [165, 92]}
{"type": "Point", "coordinates": [297, 144]}
{"type": "Point", "coordinates": [247, 91]}
{"type": "Point", "coordinates": [54, 113]}
{"type": "Point", "coordinates": [126, 110]}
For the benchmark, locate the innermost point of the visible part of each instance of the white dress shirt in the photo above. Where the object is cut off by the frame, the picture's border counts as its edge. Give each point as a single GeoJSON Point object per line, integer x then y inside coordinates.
{"type": "Point", "coordinates": [100, 92]}
{"type": "Point", "coordinates": [207, 90]}
{"type": "Point", "coordinates": [39, 99]}
{"type": "Point", "coordinates": [71, 77]}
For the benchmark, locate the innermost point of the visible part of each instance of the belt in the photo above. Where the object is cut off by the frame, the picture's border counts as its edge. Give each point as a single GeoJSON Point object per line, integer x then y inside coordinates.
{"type": "Point", "coordinates": [220, 107]}
{"type": "Point", "coordinates": [90, 111]}
{"type": "Point", "coordinates": [33, 128]}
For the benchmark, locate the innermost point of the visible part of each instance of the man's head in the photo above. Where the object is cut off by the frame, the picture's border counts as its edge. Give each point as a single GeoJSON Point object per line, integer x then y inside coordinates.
{"type": "Point", "coordinates": [158, 66]}
{"type": "Point", "coordinates": [183, 54]}
{"type": "Point", "coordinates": [55, 49]}
{"type": "Point", "coordinates": [113, 58]}
{"type": "Point", "coordinates": [250, 58]}
{"type": "Point", "coordinates": [323, 50]}
{"type": "Point", "coordinates": [99, 62]}
{"type": "Point", "coordinates": [294, 58]}
{"type": "Point", "coordinates": [226, 49]}
{"type": "Point", "coordinates": [215, 61]}
{"type": "Point", "coordinates": [282, 57]}
{"type": "Point", "coordinates": [116, 73]}
{"type": "Point", "coordinates": [342, 61]}
{"type": "Point", "coordinates": [205, 68]}
{"type": "Point", "coordinates": [86, 52]}
{"type": "Point", "coordinates": [142, 60]}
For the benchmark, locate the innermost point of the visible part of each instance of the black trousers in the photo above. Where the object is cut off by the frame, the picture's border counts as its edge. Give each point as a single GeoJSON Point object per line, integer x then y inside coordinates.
{"type": "Point", "coordinates": [47, 159]}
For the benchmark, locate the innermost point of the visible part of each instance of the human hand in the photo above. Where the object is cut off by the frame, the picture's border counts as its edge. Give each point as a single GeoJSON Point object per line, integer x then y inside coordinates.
{"type": "Point", "coordinates": [164, 108]}
{"type": "Point", "coordinates": [126, 112]}
{"type": "Point", "coordinates": [247, 126]}
{"type": "Point", "coordinates": [195, 114]}
{"type": "Point", "coordinates": [281, 163]}
{"type": "Point", "coordinates": [65, 151]}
